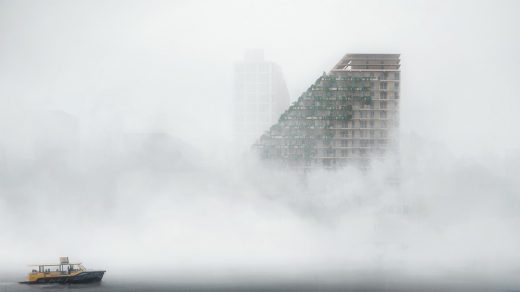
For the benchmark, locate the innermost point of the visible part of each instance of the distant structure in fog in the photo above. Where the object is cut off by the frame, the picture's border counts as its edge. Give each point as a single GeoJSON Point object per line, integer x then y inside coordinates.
{"type": "Point", "coordinates": [261, 96]}
{"type": "Point", "coordinates": [44, 137]}
{"type": "Point", "coordinates": [157, 151]}
{"type": "Point", "coordinates": [346, 116]}
{"type": "Point", "coordinates": [56, 137]}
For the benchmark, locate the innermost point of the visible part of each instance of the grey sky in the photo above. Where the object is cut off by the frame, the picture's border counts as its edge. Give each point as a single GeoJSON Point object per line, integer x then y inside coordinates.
{"type": "Point", "coordinates": [162, 63]}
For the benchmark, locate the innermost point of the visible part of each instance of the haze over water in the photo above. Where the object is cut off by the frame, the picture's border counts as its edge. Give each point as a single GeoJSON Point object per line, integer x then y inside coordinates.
{"type": "Point", "coordinates": [116, 147]}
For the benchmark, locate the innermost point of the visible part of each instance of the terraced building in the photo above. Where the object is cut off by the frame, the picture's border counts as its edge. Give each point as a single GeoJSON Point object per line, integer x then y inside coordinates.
{"type": "Point", "coordinates": [347, 116]}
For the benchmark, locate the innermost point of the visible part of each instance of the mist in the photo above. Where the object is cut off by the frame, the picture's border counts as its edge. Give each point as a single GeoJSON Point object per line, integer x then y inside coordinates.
{"type": "Point", "coordinates": [116, 143]}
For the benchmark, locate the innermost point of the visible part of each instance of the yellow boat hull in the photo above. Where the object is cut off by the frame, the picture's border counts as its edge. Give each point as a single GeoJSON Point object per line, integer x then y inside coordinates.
{"type": "Point", "coordinates": [77, 278]}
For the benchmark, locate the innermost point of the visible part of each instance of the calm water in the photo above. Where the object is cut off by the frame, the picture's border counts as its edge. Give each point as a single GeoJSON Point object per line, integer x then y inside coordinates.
{"type": "Point", "coordinates": [108, 286]}
{"type": "Point", "coordinates": [370, 281]}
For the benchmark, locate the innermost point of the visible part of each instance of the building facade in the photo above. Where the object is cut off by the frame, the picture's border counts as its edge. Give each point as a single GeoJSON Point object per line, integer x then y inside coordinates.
{"type": "Point", "coordinates": [261, 96]}
{"type": "Point", "coordinates": [347, 116]}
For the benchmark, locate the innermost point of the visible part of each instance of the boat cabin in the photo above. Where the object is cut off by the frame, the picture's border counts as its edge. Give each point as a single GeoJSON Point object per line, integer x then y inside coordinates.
{"type": "Point", "coordinates": [64, 268]}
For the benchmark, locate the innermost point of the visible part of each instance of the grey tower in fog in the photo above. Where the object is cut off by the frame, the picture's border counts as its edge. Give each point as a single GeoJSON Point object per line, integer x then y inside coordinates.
{"type": "Point", "coordinates": [48, 138]}
{"type": "Point", "coordinates": [261, 95]}
{"type": "Point", "coordinates": [347, 116]}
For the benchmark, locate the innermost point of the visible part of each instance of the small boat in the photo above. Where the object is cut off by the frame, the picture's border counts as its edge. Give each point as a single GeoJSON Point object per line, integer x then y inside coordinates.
{"type": "Point", "coordinates": [63, 273]}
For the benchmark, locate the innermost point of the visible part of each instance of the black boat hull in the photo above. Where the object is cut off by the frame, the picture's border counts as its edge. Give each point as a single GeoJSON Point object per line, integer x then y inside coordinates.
{"type": "Point", "coordinates": [83, 277]}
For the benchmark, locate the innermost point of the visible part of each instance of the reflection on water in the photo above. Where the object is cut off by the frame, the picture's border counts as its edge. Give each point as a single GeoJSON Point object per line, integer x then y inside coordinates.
{"type": "Point", "coordinates": [255, 287]}
{"type": "Point", "coordinates": [15, 287]}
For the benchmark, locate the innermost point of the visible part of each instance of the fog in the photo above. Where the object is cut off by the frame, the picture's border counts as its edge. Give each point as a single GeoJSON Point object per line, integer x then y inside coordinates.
{"type": "Point", "coordinates": [116, 143]}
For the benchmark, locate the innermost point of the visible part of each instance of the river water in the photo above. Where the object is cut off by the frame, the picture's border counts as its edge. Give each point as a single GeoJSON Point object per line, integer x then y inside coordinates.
{"type": "Point", "coordinates": [118, 286]}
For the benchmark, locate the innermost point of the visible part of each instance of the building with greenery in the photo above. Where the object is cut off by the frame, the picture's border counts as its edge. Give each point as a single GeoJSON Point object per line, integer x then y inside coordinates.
{"type": "Point", "coordinates": [347, 116]}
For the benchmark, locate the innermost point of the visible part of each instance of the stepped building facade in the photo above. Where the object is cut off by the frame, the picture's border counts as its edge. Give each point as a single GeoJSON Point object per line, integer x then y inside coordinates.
{"type": "Point", "coordinates": [348, 116]}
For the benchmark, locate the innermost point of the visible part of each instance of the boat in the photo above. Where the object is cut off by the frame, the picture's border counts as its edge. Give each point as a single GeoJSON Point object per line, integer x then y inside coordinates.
{"type": "Point", "coordinates": [63, 273]}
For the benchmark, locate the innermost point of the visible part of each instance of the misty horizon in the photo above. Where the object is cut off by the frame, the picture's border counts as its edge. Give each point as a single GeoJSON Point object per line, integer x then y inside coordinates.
{"type": "Point", "coordinates": [117, 145]}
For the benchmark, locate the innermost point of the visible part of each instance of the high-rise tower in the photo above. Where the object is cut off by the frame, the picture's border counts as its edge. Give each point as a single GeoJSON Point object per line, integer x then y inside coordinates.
{"type": "Point", "coordinates": [346, 116]}
{"type": "Point", "coordinates": [261, 95]}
